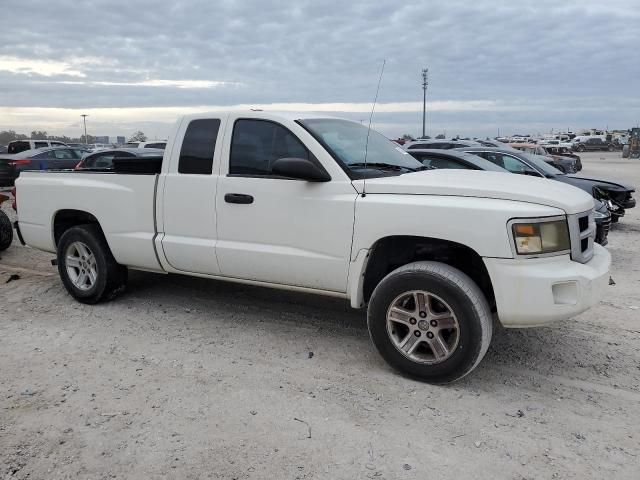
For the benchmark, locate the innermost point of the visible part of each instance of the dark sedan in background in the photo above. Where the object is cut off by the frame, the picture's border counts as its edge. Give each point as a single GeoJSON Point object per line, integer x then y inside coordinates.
{"type": "Point", "coordinates": [617, 196]}
{"type": "Point", "coordinates": [37, 159]}
{"type": "Point", "coordinates": [103, 159]}
{"type": "Point", "coordinates": [462, 160]}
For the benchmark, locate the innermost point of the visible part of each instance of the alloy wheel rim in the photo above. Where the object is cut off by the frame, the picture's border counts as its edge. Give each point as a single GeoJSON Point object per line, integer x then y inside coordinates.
{"type": "Point", "coordinates": [81, 266]}
{"type": "Point", "coordinates": [423, 327]}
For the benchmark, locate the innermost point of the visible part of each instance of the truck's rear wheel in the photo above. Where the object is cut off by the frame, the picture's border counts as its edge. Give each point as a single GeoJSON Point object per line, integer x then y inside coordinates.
{"type": "Point", "coordinates": [86, 266]}
{"type": "Point", "coordinates": [430, 321]}
{"type": "Point", "coordinates": [6, 231]}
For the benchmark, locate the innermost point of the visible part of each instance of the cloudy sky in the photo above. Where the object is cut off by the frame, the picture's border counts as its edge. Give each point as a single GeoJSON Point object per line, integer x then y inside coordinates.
{"type": "Point", "coordinates": [517, 66]}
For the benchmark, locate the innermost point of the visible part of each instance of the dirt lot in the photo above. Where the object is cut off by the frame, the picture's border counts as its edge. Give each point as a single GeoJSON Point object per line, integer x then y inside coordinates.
{"type": "Point", "coordinates": [187, 378]}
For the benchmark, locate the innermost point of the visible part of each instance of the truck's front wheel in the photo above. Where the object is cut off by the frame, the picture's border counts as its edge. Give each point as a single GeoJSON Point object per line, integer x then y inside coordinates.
{"type": "Point", "coordinates": [430, 321]}
{"type": "Point", "coordinates": [86, 266]}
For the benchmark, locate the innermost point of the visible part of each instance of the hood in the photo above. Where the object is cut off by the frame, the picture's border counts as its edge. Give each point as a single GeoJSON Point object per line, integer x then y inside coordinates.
{"type": "Point", "coordinates": [477, 183]}
{"type": "Point", "coordinates": [587, 184]}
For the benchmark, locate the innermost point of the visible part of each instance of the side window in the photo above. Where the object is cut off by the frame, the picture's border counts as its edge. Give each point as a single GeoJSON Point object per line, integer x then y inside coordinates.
{"type": "Point", "coordinates": [41, 144]}
{"type": "Point", "coordinates": [101, 160]}
{"type": "Point", "coordinates": [63, 154]}
{"type": "Point", "coordinates": [493, 157]}
{"type": "Point", "coordinates": [441, 162]}
{"type": "Point", "coordinates": [516, 165]}
{"type": "Point", "coordinates": [256, 144]}
{"type": "Point", "coordinates": [155, 145]}
{"type": "Point", "coordinates": [41, 156]}
{"type": "Point", "coordinates": [198, 145]}
{"type": "Point", "coordinates": [513, 164]}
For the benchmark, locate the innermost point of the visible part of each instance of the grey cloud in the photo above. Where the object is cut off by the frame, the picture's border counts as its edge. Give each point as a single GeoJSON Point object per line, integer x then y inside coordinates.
{"type": "Point", "coordinates": [562, 53]}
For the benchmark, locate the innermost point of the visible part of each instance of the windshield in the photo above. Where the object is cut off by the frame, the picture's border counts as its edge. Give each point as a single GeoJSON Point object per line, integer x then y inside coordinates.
{"type": "Point", "coordinates": [539, 162]}
{"type": "Point", "coordinates": [346, 142]}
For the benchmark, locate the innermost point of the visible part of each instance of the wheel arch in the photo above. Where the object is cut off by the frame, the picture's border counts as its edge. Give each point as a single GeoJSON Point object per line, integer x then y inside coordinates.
{"type": "Point", "coordinates": [65, 219]}
{"type": "Point", "coordinates": [389, 253]}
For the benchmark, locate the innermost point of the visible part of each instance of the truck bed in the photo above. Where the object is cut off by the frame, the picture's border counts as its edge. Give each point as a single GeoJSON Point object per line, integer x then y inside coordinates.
{"type": "Point", "coordinates": [123, 204]}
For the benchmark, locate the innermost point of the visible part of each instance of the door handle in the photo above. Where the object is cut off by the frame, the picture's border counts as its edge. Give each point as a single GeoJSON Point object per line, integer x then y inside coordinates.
{"type": "Point", "coordinates": [238, 198]}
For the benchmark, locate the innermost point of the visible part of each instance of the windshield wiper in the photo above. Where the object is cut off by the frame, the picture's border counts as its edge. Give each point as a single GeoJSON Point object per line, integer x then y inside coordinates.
{"type": "Point", "coordinates": [389, 166]}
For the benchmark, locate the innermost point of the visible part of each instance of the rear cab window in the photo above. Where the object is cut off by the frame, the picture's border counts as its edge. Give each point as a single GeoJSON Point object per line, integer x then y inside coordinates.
{"type": "Point", "coordinates": [198, 147]}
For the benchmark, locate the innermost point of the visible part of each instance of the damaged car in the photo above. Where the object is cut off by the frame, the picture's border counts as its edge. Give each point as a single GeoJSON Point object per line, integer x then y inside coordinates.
{"type": "Point", "coordinates": [618, 197]}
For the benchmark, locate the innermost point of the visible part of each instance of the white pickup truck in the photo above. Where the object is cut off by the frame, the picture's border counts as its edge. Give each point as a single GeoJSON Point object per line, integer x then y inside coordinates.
{"type": "Point", "coordinates": [288, 201]}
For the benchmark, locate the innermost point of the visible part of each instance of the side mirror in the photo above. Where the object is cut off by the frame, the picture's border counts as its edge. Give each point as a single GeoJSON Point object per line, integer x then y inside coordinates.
{"type": "Point", "coordinates": [301, 169]}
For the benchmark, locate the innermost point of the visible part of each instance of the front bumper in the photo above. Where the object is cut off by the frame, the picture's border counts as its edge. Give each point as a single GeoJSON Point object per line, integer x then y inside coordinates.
{"type": "Point", "coordinates": [630, 203]}
{"type": "Point", "coordinates": [535, 292]}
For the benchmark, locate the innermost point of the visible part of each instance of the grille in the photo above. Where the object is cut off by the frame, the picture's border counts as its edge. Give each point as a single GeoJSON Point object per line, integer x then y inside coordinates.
{"type": "Point", "coordinates": [582, 230]}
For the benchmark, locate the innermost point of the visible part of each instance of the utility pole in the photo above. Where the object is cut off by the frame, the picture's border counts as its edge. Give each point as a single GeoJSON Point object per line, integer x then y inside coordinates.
{"type": "Point", "coordinates": [84, 119]}
{"type": "Point", "coordinates": [425, 83]}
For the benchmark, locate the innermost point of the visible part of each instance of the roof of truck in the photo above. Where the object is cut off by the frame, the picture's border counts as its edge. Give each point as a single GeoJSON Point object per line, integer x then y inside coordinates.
{"type": "Point", "coordinates": [264, 114]}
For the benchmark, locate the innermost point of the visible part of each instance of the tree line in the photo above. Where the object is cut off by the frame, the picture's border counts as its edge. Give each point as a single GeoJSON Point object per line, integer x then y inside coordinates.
{"type": "Point", "coordinates": [7, 136]}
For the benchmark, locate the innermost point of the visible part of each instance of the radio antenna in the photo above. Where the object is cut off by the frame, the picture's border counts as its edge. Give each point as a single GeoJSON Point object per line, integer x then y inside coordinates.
{"type": "Point", "coordinates": [366, 145]}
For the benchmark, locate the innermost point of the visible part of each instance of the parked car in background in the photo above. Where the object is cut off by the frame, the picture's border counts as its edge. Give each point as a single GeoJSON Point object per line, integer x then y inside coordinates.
{"type": "Point", "coordinates": [493, 143]}
{"type": "Point", "coordinates": [104, 158]}
{"type": "Point", "coordinates": [440, 144]}
{"type": "Point", "coordinates": [562, 151]}
{"type": "Point", "coordinates": [618, 197]}
{"type": "Point", "coordinates": [154, 144]}
{"type": "Point", "coordinates": [98, 146]}
{"type": "Point", "coordinates": [18, 146]}
{"type": "Point", "coordinates": [556, 143]}
{"type": "Point", "coordinates": [3, 149]}
{"type": "Point", "coordinates": [38, 159]}
{"type": "Point", "coordinates": [564, 164]}
{"type": "Point", "coordinates": [462, 160]}
{"type": "Point", "coordinates": [593, 144]}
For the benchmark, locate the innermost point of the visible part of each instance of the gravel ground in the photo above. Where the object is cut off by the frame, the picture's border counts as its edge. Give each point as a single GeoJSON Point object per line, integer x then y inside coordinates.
{"type": "Point", "coordinates": [188, 378]}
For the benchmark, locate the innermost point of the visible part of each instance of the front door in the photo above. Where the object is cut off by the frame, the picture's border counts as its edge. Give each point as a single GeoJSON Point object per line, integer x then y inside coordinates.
{"type": "Point", "coordinates": [279, 230]}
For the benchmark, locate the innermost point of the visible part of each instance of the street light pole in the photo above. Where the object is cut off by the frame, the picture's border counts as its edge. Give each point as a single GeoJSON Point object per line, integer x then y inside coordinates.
{"type": "Point", "coordinates": [425, 83]}
{"type": "Point", "coordinates": [84, 119]}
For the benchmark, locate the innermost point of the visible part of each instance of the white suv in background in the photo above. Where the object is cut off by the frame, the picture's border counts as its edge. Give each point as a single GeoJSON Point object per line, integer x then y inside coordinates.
{"type": "Point", "coordinates": [18, 146]}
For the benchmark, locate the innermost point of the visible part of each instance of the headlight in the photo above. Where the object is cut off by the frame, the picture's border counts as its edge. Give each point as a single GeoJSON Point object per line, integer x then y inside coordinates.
{"type": "Point", "coordinates": [598, 214]}
{"type": "Point", "coordinates": [540, 236]}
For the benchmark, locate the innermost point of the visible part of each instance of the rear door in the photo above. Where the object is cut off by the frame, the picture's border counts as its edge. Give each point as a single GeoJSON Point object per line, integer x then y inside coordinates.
{"type": "Point", "coordinates": [189, 199]}
{"type": "Point", "coordinates": [280, 230]}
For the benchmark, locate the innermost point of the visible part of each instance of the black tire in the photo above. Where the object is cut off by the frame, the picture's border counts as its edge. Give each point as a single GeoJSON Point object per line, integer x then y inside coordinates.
{"type": "Point", "coordinates": [6, 231]}
{"type": "Point", "coordinates": [581, 148]}
{"type": "Point", "coordinates": [111, 278]}
{"type": "Point", "coordinates": [625, 151]}
{"type": "Point", "coordinates": [465, 300]}
{"type": "Point", "coordinates": [611, 148]}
